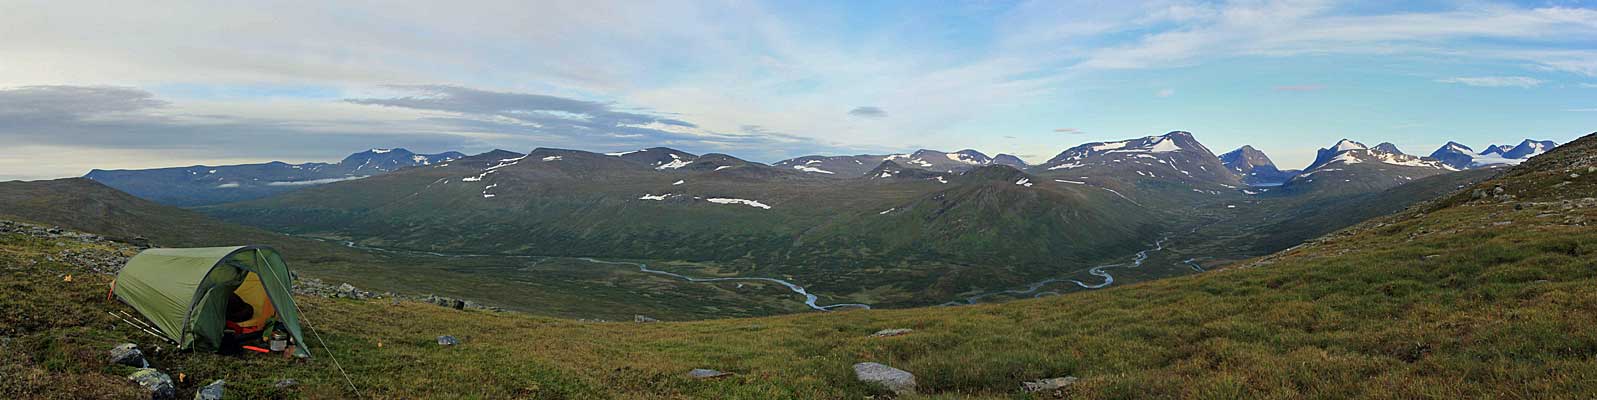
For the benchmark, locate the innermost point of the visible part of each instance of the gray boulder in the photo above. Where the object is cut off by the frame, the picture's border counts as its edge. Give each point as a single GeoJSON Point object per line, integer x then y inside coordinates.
{"type": "Point", "coordinates": [893, 379]}
{"type": "Point", "coordinates": [158, 384]}
{"type": "Point", "coordinates": [702, 373]}
{"type": "Point", "coordinates": [1048, 385]}
{"type": "Point", "coordinates": [212, 391]}
{"type": "Point", "coordinates": [128, 354]}
{"type": "Point", "coordinates": [642, 319]}
{"type": "Point", "coordinates": [892, 332]}
{"type": "Point", "coordinates": [286, 384]}
{"type": "Point", "coordinates": [447, 340]}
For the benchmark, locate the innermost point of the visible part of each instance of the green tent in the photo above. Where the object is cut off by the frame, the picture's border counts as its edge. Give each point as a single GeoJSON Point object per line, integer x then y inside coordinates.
{"type": "Point", "coordinates": [184, 292]}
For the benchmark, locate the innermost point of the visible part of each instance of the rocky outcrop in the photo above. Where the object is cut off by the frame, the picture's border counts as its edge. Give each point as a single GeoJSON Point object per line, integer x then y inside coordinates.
{"type": "Point", "coordinates": [893, 379]}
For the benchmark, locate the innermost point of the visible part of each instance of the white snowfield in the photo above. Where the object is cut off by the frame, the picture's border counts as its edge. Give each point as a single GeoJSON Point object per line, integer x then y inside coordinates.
{"type": "Point", "coordinates": [552, 158]}
{"type": "Point", "coordinates": [1024, 182]}
{"type": "Point", "coordinates": [654, 197]}
{"type": "Point", "coordinates": [676, 162]}
{"type": "Point", "coordinates": [313, 181]}
{"type": "Point", "coordinates": [807, 168]}
{"type": "Point", "coordinates": [750, 203]}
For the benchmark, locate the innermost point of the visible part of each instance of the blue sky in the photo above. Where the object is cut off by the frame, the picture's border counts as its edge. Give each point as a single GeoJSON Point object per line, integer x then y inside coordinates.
{"type": "Point", "coordinates": [131, 86]}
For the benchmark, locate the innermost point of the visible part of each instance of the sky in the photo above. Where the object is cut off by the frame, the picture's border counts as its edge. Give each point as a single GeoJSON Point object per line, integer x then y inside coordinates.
{"type": "Point", "coordinates": [116, 85]}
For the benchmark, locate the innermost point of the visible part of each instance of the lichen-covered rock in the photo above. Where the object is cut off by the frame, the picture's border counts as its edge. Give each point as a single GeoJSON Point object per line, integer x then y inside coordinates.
{"type": "Point", "coordinates": [158, 384]}
{"type": "Point", "coordinates": [212, 391]}
{"type": "Point", "coordinates": [893, 379]}
{"type": "Point", "coordinates": [892, 332]}
{"type": "Point", "coordinates": [704, 373]}
{"type": "Point", "coordinates": [447, 340]}
{"type": "Point", "coordinates": [128, 354]}
{"type": "Point", "coordinates": [1048, 385]}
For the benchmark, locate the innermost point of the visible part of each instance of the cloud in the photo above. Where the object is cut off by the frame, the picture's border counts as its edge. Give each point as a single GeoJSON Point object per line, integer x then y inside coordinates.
{"type": "Point", "coordinates": [547, 120]}
{"type": "Point", "coordinates": [1495, 81]}
{"type": "Point", "coordinates": [144, 131]}
{"type": "Point", "coordinates": [1165, 92]}
{"type": "Point", "coordinates": [72, 102]}
{"type": "Point", "coordinates": [1581, 109]}
{"type": "Point", "coordinates": [867, 112]}
{"type": "Point", "coordinates": [1298, 88]}
{"type": "Point", "coordinates": [1313, 27]}
{"type": "Point", "coordinates": [1069, 131]}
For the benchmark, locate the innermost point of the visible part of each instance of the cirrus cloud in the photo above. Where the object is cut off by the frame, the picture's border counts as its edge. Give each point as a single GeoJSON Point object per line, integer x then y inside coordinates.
{"type": "Point", "coordinates": [1495, 81]}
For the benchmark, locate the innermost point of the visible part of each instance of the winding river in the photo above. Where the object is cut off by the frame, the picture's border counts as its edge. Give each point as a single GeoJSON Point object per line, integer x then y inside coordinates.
{"type": "Point", "coordinates": [809, 298]}
{"type": "Point", "coordinates": [1098, 271]}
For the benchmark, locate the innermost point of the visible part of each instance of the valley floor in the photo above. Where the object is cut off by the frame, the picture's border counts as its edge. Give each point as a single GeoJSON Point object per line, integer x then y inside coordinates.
{"type": "Point", "coordinates": [1483, 299]}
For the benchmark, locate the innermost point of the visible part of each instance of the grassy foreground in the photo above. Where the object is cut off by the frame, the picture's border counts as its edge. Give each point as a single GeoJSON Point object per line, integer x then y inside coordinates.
{"type": "Point", "coordinates": [1467, 297]}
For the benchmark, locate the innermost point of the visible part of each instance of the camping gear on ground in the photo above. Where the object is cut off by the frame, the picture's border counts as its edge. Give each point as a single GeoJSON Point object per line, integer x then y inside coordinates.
{"type": "Point", "coordinates": [184, 292]}
{"type": "Point", "coordinates": [279, 341]}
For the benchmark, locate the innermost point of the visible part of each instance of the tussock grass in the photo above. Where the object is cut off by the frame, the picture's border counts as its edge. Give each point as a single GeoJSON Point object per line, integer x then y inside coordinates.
{"type": "Point", "coordinates": [1455, 312]}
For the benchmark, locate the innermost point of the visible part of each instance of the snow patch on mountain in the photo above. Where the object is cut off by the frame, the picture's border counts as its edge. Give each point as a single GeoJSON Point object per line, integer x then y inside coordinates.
{"type": "Point", "coordinates": [807, 168]}
{"type": "Point", "coordinates": [750, 203]}
{"type": "Point", "coordinates": [676, 162]}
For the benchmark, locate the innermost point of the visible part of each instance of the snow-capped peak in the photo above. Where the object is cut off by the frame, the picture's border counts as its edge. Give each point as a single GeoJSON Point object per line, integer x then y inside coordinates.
{"type": "Point", "coordinates": [1348, 144]}
{"type": "Point", "coordinates": [380, 151]}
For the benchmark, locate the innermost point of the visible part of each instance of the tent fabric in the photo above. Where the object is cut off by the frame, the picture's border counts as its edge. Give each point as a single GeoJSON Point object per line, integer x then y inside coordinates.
{"type": "Point", "coordinates": [184, 292]}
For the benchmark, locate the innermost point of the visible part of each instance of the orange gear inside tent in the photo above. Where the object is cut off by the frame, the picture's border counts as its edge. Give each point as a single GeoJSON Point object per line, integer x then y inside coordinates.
{"type": "Point", "coordinates": [254, 293]}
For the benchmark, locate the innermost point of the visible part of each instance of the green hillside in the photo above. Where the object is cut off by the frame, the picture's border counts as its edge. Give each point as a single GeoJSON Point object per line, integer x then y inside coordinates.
{"type": "Point", "coordinates": [1485, 293]}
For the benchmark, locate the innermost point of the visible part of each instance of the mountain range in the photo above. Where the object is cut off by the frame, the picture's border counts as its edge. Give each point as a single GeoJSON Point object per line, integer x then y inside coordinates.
{"type": "Point", "coordinates": [202, 185]}
{"type": "Point", "coordinates": [892, 230]}
{"type": "Point", "coordinates": [1459, 156]}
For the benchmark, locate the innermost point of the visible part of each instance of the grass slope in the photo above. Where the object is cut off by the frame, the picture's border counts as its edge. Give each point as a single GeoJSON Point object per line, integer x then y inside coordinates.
{"type": "Point", "coordinates": [1471, 296]}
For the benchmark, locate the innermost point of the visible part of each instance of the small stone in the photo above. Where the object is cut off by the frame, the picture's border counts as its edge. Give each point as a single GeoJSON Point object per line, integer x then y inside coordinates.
{"type": "Point", "coordinates": [286, 384]}
{"type": "Point", "coordinates": [1573, 176]}
{"type": "Point", "coordinates": [447, 340]}
{"type": "Point", "coordinates": [703, 373]}
{"type": "Point", "coordinates": [459, 304]}
{"type": "Point", "coordinates": [892, 332]}
{"type": "Point", "coordinates": [893, 379]}
{"type": "Point", "coordinates": [128, 354]}
{"type": "Point", "coordinates": [1048, 385]}
{"type": "Point", "coordinates": [212, 391]}
{"type": "Point", "coordinates": [643, 319]}
{"type": "Point", "coordinates": [158, 384]}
